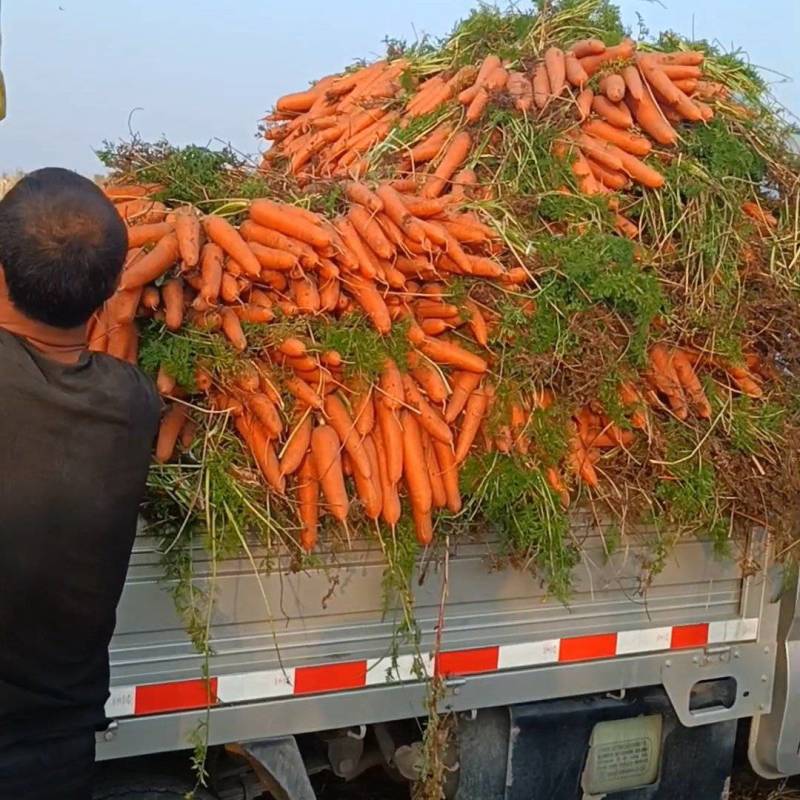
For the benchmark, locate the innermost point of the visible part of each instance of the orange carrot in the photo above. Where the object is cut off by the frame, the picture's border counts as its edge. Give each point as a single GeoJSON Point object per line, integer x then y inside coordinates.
{"type": "Point", "coordinates": [414, 469]}
{"type": "Point", "coordinates": [478, 105]}
{"type": "Point", "coordinates": [621, 52]}
{"type": "Point", "coordinates": [271, 258]}
{"type": "Point", "coordinates": [633, 82]}
{"type": "Point", "coordinates": [629, 142]}
{"type": "Point", "coordinates": [359, 193]}
{"type": "Point", "coordinates": [364, 411]}
{"type": "Point", "coordinates": [303, 392]}
{"type": "Point", "coordinates": [613, 87]}
{"type": "Point", "coordinates": [121, 306]}
{"type": "Point", "coordinates": [555, 64]}
{"type": "Point", "coordinates": [151, 298]}
{"type": "Point", "coordinates": [391, 435]}
{"type": "Point", "coordinates": [253, 232]}
{"type": "Point", "coordinates": [172, 296]}
{"type": "Point", "coordinates": [390, 499]}
{"type": "Point", "coordinates": [370, 231]}
{"type": "Point", "coordinates": [153, 265]}
{"type": "Point", "coordinates": [477, 323]}
{"type": "Point", "coordinates": [369, 487]}
{"type": "Point", "coordinates": [557, 485]}
{"type": "Point", "coordinates": [370, 299]}
{"type": "Point", "coordinates": [211, 265]}
{"type": "Point", "coordinates": [428, 418]}
{"type": "Point", "coordinates": [576, 74]}
{"type": "Point", "coordinates": [541, 86]}
{"type": "Point", "coordinates": [430, 380]}
{"type": "Point", "coordinates": [616, 114]}
{"type": "Point", "coordinates": [463, 384]}
{"type": "Point", "coordinates": [165, 383]}
{"type": "Point", "coordinates": [449, 474]}
{"type": "Point", "coordinates": [187, 229]}
{"type": "Point", "coordinates": [221, 232]}
{"type": "Point", "coordinates": [691, 384]}
{"type": "Point", "coordinates": [444, 352]}
{"type": "Point", "coordinates": [328, 468]}
{"type": "Point", "coordinates": [168, 432]}
{"type": "Point", "coordinates": [759, 214]}
{"type": "Point", "coordinates": [438, 493]}
{"type": "Point", "coordinates": [453, 158]}
{"type": "Point", "coordinates": [232, 328]}
{"type": "Point", "coordinates": [474, 412]}
{"type": "Point", "coordinates": [429, 147]}
{"type": "Point", "coordinates": [664, 377]}
{"type": "Point", "coordinates": [391, 385]}
{"type": "Point", "coordinates": [340, 420]}
{"type": "Point", "coordinates": [584, 103]}
{"type": "Point", "coordinates": [608, 177]}
{"type": "Point", "coordinates": [308, 503]}
{"type": "Point", "coordinates": [588, 47]}
{"type": "Point", "coordinates": [229, 288]}
{"type": "Point", "coordinates": [271, 215]}
{"type": "Point", "coordinates": [140, 235]}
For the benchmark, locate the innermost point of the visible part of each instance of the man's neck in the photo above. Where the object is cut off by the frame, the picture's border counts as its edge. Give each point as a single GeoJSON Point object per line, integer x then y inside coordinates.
{"type": "Point", "coordinates": [60, 344]}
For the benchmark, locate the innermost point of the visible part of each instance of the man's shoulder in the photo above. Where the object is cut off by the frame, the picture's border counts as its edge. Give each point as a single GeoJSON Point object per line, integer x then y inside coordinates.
{"type": "Point", "coordinates": [131, 383]}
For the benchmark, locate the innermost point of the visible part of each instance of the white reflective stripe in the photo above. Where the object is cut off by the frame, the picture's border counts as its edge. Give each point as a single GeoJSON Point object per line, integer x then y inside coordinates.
{"type": "Point", "coordinates": [645, 641]}
{"type": "Point", "coordinates": [121, 702]}
{"type": "Point", "coordinates": [732, 630]}
{"type": "Point", "coordinates": [403, 669]}
{"type": "Point", "coordinates": [529, 654]}
{"type": "Point", "coordinates": [255, 685]}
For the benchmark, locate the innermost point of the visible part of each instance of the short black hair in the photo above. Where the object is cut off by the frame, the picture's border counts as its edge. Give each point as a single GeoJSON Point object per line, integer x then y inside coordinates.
{"type": "Point", "coordinates": [62, 246]}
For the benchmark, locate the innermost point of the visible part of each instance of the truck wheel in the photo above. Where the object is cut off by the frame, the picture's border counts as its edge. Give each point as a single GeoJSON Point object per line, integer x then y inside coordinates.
{"type": "Point", "coordinates": [147, 789]}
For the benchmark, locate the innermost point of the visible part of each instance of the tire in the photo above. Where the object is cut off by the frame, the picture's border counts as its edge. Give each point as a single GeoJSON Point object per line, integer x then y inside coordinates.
{"type": "Point", "coordinates": [146, 788]}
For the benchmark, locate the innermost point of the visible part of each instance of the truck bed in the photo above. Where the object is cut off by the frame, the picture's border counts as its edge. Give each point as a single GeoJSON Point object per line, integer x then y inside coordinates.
{"type": "Point", "coordinates": [287, 638]}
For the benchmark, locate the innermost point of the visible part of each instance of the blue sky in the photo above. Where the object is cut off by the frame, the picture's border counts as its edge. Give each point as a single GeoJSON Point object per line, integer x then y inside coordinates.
{"type": "Point", "coordinates": [200, 70]}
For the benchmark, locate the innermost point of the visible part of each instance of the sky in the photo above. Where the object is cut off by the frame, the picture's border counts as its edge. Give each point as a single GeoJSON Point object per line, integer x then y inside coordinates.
{"type": "Point", "coordinates": [202, 71]}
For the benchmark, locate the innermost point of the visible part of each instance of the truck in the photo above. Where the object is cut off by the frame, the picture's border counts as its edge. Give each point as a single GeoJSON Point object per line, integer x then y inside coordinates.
{"type": "Point", "coordinates": [629, 689]}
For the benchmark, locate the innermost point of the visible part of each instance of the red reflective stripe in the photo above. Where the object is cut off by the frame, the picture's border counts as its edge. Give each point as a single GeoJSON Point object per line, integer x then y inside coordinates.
{"type": "Point", "coordinates": [689, 636]}
{"type": "Point", "coordinates": [178, 696]}
{"type": "Point", "coordinates": [468, 662]}
{"type": "Point", "coordinates": [330, 677]}
{"type": "Point", "coordinates": [585, 648]}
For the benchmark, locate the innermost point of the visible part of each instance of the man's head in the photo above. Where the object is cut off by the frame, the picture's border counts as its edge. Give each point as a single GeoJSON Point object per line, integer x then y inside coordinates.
{"type": "Point", "coordinates": [62, 247]}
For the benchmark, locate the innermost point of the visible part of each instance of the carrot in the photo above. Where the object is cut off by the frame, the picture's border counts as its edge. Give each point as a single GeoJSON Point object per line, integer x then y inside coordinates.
{"type": "Point", "coordinates": [541, 86]}
{"type": "Point", "coordinates": [121, 306]}
{"type": "Point", "coordinates": [438, 493]}
{"type": "Point", "coordinates": [474, 412]}
{"type": "Point", "coordinates": [221, 232]}
{"type": "Point", "coordinates": [369, 488]}
{"type": "Point", "coordinates": [640, 171]}
{"type": "Point", "coordinates": [557, 485]}
{"type": "Point", "coordinates": [521, 90]}
{"type": "Point", "coordinates": [370, 231]}
{"type": "Point", "coordinates": [453, 158]}
{"type": "Point", "coordinates": [477, 323]}
{"type": "Point", "coordinates": [229, 288]}
{"type": "Point", "coordinates": [587, 47]}
{"type": "Point", "coordinates": [391, 385]}
{"type": "Point", "coordinates": [232, 328]}
{"type": "Point", "coordinates": [357, 192]}
{"type": "Point", "coordinates": [172, 296]}
{"type": "Point", "coordinates": [665, 379]}
{"type": "Point", "coordinates": [168, 432]}
{"type": "Point", "coordinates": [414, 469]}
{"type": "Point", "coordinates": [613, 87]}
{"type": "Point", "coordinates": [340, 420]}
{"type": "Point", "coordinates": [429, 147]}
{"type": "Point", "coordinates": [270, 258]}
{"type": "Point", "coordinates": [633, 82]}
{"type": "Point", "coordinates": [449, 474]}
{"type": "Point", "coordinates": [328, 468]}
{"type": "Point", "coordinates": [759, 214]}
{"type": "Point", "coordinates": [554, 62]}
{"type": "Point", "coordinates": [391, 510]}
{"type": "Point", "coordinates": [428, 418]}
{"type": "Point", "coordinates": [687, 57]}
{"type": "Point", "coordinates": [600, 150]}
{"type": "Point", "coordinates": [679, 72]}
{"type": "Point", "coordinates": [651, 119]}
{"type": "Point", "coordinates": [614, 113]}
{"type": "Point", "coordinates": [187, 229]}
{"type": "Point", "coordinates": [364, 411]}
{"type": "Point", "coordinates": [687, 85]}
{"type": "Point", "coordinates": [299, 101]}
{"type": "Point", "coordinates": [691, 384]}
{"type": "Point", "coordinates": [165, 383]}
{"type": "Point", "coordinates": [263, 451]}
{"type": "Point", "coordinates": [271, 215]}
{"type": "Point", "coordinates": [211, 264]}
{"type": "Point", "coordinates": [658, 80]}
{"type": "Point", "coordinates": [610, 178]}
{"type": "Point", "coordinates": [478, 105]}
{"type": "Point", "coordinates": [253, 232]}
{"type": "Point", "coordinates": [391, 435]}
{"type": "Point", "coordinates": [463, 384]}
{"type": "Point", "coordinates": [308, 503]}
{"type": "Point", "coordinates": [298, 388]}
{"type": "Point", "coordinates": [629, 142]}
{"type": "Point", "coordinates": [580, 462]}
{"type": "Point", "coordinates": [621, 52]}
{"type": "Point", "coordinates": [140, 235]}
{"type": "Point", "coordinates": [370, 299]}
{"type": "Point", "coordinates": [576, 74]}
{"type": "Point", "coordinates": [265, 412]}
{"type": "Point", "coordinates": [153, 265]}
{"type": "Point", "coordinates": [446, 352]}
{"type": "Point", "coordinates": [584, 103]}
{"type": "Point", "coordinates": [397, 211]}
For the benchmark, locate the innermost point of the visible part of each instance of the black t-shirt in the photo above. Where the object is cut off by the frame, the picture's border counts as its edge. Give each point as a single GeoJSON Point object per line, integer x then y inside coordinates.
{"type": "Point", "coordinates": [75, 444]}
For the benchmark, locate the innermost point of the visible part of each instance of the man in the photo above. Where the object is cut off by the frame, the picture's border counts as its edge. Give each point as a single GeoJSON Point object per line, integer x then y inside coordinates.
{"type": "Point", "coordinates": [76, 430]}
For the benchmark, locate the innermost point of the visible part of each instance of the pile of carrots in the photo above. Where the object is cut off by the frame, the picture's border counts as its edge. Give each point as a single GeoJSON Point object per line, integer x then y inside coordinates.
{"type": "Point", "coordinates": [392, 257]}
